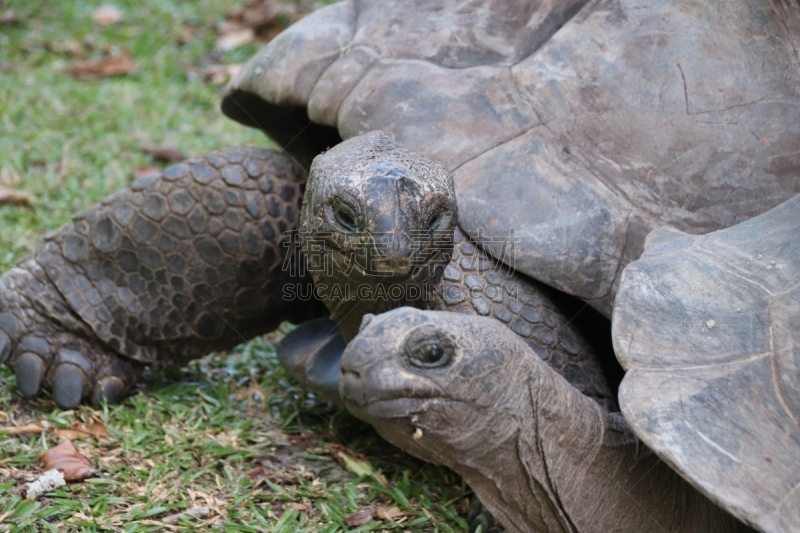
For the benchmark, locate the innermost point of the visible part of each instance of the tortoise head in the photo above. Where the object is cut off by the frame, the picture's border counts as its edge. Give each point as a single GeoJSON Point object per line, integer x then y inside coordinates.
{"type": "Point", "coordinates": [434, 383]}
{"type": "Point", "coordinates": [377, 213]}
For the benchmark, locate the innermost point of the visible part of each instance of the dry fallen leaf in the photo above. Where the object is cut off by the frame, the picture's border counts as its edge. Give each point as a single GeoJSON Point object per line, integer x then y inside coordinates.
{"type": "Point", "coordinates": [388, 514]}
{"type": "Point", "coordinates": [220, 74]}
{"type": "Point", "coordinates": [185, 34]}
{"type": "Point", "coordinates": [195, 512]}
{"type": "Point", "coordinates": [70, 46]}
{"type": "Point", "coordinates": [146, 172]}
{"type": "Point", "coordinates": [235, 39]}
{"type": "Point", "coordinates": [107, 15]}
{"type": "Point", "coordinates": [299, 506]}
{"type": "Point", "coordinates": [168, 154]}
{"type": "Point", "coordinates": [22, 430]}
{"type": "Point", "coordinates": [267, 18]}
{"type": "Point", "coordinates": [10, 196]}
{"type": "Point", "coordinates": [359, 518]}
{"type": "Point", "coordinates": [355, 462]}
{"type": "Point", "coordinates": [77, 430]}
{"type": "Point", "coordinates": [66, 459]}
{"type": "Point", "coordinates": [254, 14]}
{"type": "Point", "coordinates": [108, 66]}
{"type": "Point", "coordinates": [8, 17]}
{"type": "Point", "coordinates": [255, 473]}
{"type": "Point", "coordinates": [464, 507]}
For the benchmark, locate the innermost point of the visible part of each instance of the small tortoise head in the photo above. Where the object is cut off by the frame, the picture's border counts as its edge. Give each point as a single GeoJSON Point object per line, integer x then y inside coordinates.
{"type": "Point", "coordinates": [434, 383]}
{"type": "Point", "coordinates": [380, 211]}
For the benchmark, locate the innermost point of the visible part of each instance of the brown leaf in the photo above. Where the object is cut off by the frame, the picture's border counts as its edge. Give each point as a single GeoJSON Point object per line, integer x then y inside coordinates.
{"type": "Point", "coordinates": [256, 473]}
{"type": "Point", "coordinates": [255, 13]}
{"type": "Point", "coordinates": [299, 506]}
{"type": "Point", "coordinates": [196, 512]}
{"type": "Point", "coordinates": [77, 430]}
{"type": "Point", "coordinates": [185, 34]}
{"type": "Point", "coordinates": [8, 17]}
{"type": "Point", "coordinates": [107, 15]}
{"type": "Point", "coordinates": [235, 39]}
{"type": "Point", "coordinates": [108, 66]}
{"type": "Point", "coordinates": [10, 196]}
{"type": "Point", "coordinates": [267, 18]}
{"type": "Point", "coordinates": [22, 430]}
{"type": "Point", "coordinates": [388, 514]}
{"type": "Point", "coordinates": [359, 518]}
{"type": "Point", "coordinates": [168, 154]}
{"type": "Point", "coordinates": [71, 47]}
{"type": "Point", "coordinates": [220, 74]}
{"type": "Point", "coordinates": [464, 507]}
{"type": "Point", "coordinates": [144, 172]}
{"type": "Point", "coordinates": [355, 462]}
{"type": "Point", "coordinates": [67, 460]}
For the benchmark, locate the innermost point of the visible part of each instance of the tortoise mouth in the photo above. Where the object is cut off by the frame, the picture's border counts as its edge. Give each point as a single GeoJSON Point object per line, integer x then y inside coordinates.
{"type": "Point", "coordinates": [397, 408]}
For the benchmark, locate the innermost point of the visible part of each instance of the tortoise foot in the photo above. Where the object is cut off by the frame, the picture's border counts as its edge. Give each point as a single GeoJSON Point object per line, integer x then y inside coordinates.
{"type": "Point", "coordinates": [73, 370]}
{"type": "Point", "coordinates": [480, 520]}
{"type": "Point", "coordinates": [49, 350]}
{"type": "Point", "coordinates": [311, 354]}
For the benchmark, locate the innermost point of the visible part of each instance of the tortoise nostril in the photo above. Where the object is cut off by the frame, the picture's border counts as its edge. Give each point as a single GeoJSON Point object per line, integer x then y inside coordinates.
{"type": "Point", "coordinates": [396, 265]}
{"type": "Point", "coordinates": [350, 375]}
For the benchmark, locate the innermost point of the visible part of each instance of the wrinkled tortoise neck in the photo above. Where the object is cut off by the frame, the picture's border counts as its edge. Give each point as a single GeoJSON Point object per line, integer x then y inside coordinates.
{"type": "Point", "coordinates": [585, 470]}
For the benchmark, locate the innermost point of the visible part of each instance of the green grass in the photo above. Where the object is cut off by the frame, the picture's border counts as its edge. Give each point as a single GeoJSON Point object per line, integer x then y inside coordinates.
{"type": "Point", "coordinates": [190, 438]}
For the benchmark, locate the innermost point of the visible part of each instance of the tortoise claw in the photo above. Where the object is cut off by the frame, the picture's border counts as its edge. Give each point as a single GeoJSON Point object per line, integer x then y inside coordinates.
{"type": "Point", "coordinates": [29, 370]}
{"type": "Point", "coordinates": [68, 386]}
{"type": "Point", "coordinates": [110, 388]}
{"type": "Point", "coordinates": [5, 346]}
{"type": "Point", "coordinates": [80, 371]}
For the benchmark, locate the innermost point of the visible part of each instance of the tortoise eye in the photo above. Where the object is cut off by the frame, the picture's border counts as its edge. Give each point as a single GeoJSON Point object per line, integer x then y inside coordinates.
{"type": "Point", "coordinates": [431, 354]}
{"type": "Point", "coordinates": [346, 219]}
{"type": "Point", "coordinates": [345, 216]}
{"type": "Point", "coordinates": [434, 221]}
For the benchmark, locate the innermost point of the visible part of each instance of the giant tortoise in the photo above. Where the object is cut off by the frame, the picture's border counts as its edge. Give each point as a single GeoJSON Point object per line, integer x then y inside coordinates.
{"type": "Point", "coordinates": [577, 125]}
{"type": "Point", "coordinates": [707, 327]}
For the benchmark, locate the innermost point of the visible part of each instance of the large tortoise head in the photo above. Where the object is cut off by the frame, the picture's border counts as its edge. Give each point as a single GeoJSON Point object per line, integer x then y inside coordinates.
{"type": "Point", "coordinates": [376, 213]}
{"type": "Point", "coordinates": [432, 382]}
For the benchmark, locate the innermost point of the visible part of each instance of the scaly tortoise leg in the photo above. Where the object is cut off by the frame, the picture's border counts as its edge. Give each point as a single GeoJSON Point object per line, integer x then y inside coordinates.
{"type": "Point", "coordinates": [170, 269]}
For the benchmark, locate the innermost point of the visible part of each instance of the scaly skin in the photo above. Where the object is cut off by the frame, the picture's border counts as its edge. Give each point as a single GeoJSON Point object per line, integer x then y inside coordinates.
{"type": "Point", "coordinates": [463, 392]}
{"type": "Point", "coordinates": [161, 273]}
{"type": "Point", "coordinates": [474, 283]}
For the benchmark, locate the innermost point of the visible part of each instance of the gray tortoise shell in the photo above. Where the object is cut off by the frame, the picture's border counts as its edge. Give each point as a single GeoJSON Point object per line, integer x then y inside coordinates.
{"type": "Point", "coordinates": [708, 329]}
{"type": "Point", "coordinates": [580, 125]}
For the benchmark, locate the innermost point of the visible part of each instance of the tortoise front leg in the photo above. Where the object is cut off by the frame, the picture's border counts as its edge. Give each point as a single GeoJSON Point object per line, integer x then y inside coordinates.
{"type": "Point", "coordinates": [172, 268]}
